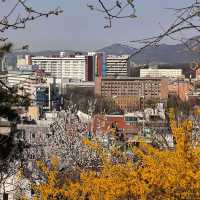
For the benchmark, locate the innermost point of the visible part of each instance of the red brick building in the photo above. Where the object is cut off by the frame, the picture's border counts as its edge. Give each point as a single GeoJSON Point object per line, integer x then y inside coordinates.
{"type": "Point", "coordinates": [180, 88]}
{"type": "Point", "coordinates": [104, 124]}
{"type": "Point", "coordinates": [127, 92]}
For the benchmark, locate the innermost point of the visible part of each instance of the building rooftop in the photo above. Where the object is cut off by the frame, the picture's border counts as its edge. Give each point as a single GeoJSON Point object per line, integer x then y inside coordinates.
{"type": "Point", "coordinates": [19, 72]}
{"type": "Point", "coordinates": [58, 57]}
{"type": "Point", "coordinates": [133, 78]}
{"type": "Point", "coordinates": [117, 57]}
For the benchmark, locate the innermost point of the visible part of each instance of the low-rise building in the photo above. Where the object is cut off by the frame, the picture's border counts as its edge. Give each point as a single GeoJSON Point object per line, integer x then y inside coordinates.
{"type": "Point", "coordinates": [40, 89]}
{"type": "Point", "coordinates": [23, 60]}
{"type": "Point", "coordinates": [180, 88]}
{"type": "Point", "coordinates": [154, 72]}
{"type": "Point", "coordinates": [33, 112]}
{"type": "Point", "coordinates": [129, 92]}
{"type": "Point", "coordinates": [17, 78]}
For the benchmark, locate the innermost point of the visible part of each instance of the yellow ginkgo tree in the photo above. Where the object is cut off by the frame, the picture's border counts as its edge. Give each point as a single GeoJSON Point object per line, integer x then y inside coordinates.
{"type": "Point", "coordinates": [157, 174]}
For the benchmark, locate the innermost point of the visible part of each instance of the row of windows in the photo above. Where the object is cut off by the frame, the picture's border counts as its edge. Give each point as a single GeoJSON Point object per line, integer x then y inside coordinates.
{"type": "Point", "coordinates": [131, 93]}
{"type": "Point", "coordinates": [131, 83]}
{"type": "Point", "coordinates": [131, 88]}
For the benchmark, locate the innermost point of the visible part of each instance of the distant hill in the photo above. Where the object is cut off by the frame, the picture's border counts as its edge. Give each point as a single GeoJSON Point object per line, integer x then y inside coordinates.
{"type": "Point", "coordinates": [163, 54]}
{"type": "Point", "coordinates": [118, 49]}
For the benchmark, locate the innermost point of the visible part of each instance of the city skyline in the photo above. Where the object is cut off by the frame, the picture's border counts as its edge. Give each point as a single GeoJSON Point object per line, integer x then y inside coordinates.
{"type": "Point", "coordinates": [79, 28]}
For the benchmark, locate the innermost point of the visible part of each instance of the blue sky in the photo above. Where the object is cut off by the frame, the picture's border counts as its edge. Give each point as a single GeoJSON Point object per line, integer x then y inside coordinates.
{"type": "Point", "coordinates": [78, 28]}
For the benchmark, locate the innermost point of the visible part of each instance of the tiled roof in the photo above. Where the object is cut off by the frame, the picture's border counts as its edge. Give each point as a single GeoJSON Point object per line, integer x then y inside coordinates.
{"type": "Point", "coordinates": [104, 124]}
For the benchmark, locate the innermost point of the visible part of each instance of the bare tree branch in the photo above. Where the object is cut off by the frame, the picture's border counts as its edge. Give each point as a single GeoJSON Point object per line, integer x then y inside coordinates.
{"type": "Point", "coordinates": [12, 20]}
{"type": "Point", "coordinates": [118, 10]}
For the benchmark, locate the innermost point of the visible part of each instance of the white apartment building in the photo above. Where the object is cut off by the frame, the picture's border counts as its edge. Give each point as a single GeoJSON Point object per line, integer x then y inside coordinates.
{"type": "Point", "coordinates": [20, 79]}
{"type": "Point", "coordinates": [63, 67]}
{"type": "Point", "coordinates": [117, 65]}
{"type": "Point", "coordinates": [17, 78]}
{"type": "Point", "coordinates": [157, 73]}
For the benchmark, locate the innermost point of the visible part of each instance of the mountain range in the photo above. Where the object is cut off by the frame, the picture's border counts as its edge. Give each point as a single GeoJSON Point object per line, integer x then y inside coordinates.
{"type": "Point", "coordinates": [162, 54]}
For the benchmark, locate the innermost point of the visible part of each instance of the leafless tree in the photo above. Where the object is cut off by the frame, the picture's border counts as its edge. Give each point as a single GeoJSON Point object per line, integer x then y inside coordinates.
{"type": "Point", "coordinates": [114, 9]}
{"type": "Point", "coordinates": [13, 20]}
{"type": "Point", "coordinates": [186, 19]}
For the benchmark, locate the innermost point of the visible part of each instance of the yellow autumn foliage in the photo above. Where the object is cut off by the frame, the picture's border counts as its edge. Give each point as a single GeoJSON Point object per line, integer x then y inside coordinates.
{"type": "Point", "coordinates": [197, 111]}
{"type": "Point", "coordinates": [157, 175]}
{"type": "Point", "coordinates": [51, 188]}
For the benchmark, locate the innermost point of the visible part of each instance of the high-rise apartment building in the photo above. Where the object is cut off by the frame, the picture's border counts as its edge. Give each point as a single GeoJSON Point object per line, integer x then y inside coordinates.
{"type": "Point", "coordinates": [117, 66]}
{"type": "Point", "coordinates": [99, 61]}
{"type": "Point", "coordinates": [75, 67]}
{"type": "Point", "coordinates": [84, 67]}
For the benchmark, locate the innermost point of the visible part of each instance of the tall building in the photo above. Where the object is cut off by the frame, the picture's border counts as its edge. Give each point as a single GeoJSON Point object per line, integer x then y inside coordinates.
{"type": "Point", "coordinates": [154, 72]}
{"type": "Point", "coordinates": [75, 67]}
{"type": "Point", "coordinates": [117, 66]}
{"type": "Point", "coordinates": [99, 61]}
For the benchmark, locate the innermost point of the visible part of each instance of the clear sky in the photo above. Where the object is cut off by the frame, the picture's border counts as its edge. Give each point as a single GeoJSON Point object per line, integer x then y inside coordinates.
{"type": "Point", "coordinates": [78, 28]}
